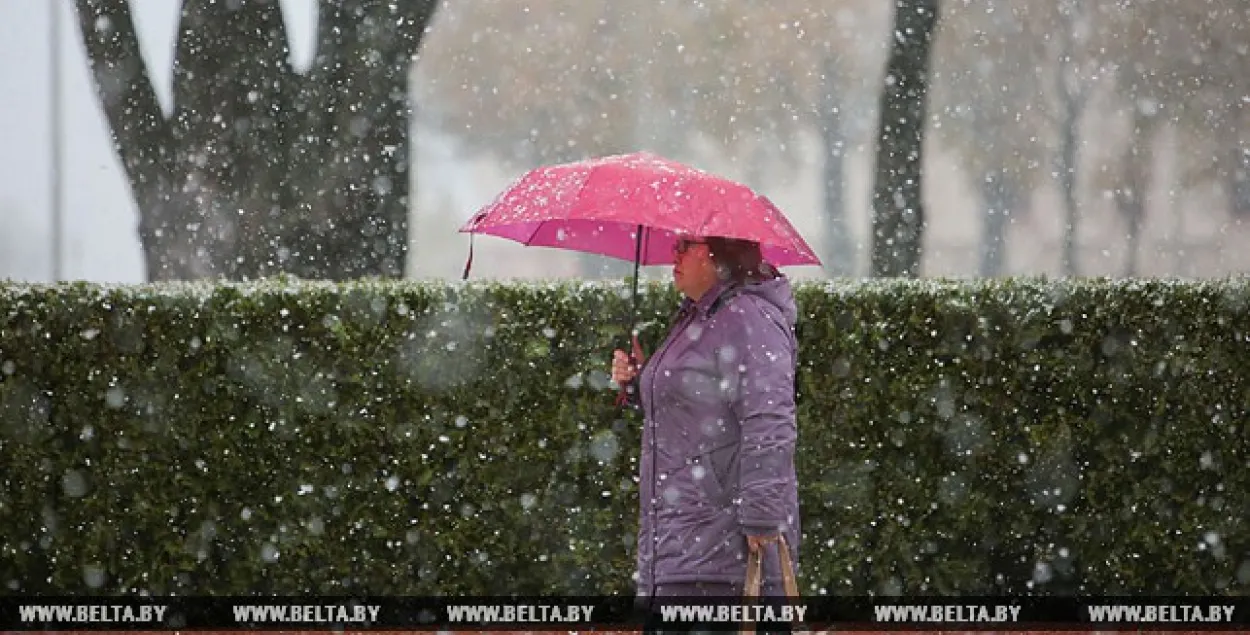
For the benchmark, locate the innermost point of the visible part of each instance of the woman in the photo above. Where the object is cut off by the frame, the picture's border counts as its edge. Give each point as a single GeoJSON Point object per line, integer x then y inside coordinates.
{"type": "Point", "coordinates": [717, 462]}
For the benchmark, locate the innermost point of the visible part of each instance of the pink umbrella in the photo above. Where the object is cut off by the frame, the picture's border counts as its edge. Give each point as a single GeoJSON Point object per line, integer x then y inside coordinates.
{"type": "Point", "coordinates": [634, 207]}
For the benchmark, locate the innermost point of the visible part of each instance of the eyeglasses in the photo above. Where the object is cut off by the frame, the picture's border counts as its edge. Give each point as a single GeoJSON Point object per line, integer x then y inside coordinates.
{"type": "Point", "coordinates": [684, 245]}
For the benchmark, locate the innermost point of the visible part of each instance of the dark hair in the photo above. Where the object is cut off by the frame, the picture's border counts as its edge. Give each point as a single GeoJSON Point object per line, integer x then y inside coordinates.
{"type": "Point", "coordinates": [739, 260]}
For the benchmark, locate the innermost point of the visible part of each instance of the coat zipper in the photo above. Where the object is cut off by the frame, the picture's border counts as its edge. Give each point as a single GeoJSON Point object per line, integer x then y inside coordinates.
{"type": "Point", "coordinates": [681, 328]}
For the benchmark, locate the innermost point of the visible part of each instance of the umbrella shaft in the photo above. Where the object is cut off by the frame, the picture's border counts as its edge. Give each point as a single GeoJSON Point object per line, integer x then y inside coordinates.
{"type": "Point", "coordinates": [633, 316]}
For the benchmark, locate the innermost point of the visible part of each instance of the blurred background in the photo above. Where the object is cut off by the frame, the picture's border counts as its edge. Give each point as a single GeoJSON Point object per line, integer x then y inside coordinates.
{"type": "Point", "coordinates": [1064, 137]}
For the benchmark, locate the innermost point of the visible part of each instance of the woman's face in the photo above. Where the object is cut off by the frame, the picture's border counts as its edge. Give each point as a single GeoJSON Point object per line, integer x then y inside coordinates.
{"type": "Point", "coordinates": [693, 270]}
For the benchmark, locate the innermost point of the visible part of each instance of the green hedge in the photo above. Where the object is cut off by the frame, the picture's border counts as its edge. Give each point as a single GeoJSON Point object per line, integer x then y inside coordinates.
{"type": "Point", "coordinates": [399, 438]}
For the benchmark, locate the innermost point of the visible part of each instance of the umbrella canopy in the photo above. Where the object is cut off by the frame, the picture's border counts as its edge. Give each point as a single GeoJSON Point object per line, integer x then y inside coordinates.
{"type": "Point", "coordinates": [635, 207]}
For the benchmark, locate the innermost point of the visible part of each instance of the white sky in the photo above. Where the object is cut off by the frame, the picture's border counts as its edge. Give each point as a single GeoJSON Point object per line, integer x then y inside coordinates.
{"type": "Point", "coordinates": [100, 242]}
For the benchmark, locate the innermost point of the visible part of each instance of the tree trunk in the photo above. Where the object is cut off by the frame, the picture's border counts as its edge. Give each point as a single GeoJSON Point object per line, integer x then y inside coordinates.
{"type": "Point", "coordinates": [1073, 107]}
{"type": "Point", "coordinates": [1073, 93]}
{"type": "Point", "coordinates": [1067, 185]}
{"type": "Point", "coordinates": [1132, 207]}
{"type": "Point", "coordinates": [232, 88]}
{"type": "Point", "coordinates": [898, 211]}
{"type": "Point", "coordinates": [1131, 196]}
{"type": "Point", "coordinates": [261, 170]}
{"type": "Point", "coordinates": [1000, 194]}
{"type": "Point", "coordinates": [1239, 183]}
{"type": "Point", "coordinates": [839, 249]}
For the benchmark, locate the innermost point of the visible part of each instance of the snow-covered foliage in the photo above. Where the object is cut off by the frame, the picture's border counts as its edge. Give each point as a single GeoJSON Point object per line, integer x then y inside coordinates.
{"type": "Point", "coordinates": [290, 436]}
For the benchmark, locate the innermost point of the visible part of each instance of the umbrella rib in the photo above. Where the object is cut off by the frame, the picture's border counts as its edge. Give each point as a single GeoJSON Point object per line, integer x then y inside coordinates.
{"type": "Point", "coordinates": [537, 227]}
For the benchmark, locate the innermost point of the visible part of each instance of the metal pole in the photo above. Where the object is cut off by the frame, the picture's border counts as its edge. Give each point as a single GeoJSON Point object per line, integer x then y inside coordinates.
{"type": "Point", "coordinates": [55, 117]}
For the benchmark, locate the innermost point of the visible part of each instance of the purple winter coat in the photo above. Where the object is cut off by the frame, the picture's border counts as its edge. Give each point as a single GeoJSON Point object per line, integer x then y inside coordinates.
{"type": "Point", "coordinates": [717, 458]}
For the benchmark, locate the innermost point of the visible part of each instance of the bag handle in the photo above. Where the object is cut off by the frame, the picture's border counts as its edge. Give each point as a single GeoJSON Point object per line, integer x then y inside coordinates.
{"type": "Point", "coordinates": [755, 564]}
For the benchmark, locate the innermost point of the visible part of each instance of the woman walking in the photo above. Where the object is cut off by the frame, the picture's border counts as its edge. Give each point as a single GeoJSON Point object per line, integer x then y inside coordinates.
{"type": "Point", "coordinates": [717, 475]}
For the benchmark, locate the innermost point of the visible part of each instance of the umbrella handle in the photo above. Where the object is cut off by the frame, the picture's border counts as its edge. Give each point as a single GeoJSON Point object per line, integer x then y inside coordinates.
{"type": "Point", "coordinates": [468, 263]}
{"type": "Point", "coordinates": [636, 358]}
{"type": "Point", "coordinates": [635, 354]}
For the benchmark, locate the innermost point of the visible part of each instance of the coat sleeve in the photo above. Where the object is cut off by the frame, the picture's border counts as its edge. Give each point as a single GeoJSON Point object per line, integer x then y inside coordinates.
{"type": "Point", "coordinates": [758, 359]}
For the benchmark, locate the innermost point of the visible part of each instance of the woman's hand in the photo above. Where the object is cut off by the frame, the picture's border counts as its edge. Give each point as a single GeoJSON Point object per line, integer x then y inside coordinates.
{"type": "Point", "coordinates": [756, 542]}
{"type": "Point", "coordinates": [625, 369]}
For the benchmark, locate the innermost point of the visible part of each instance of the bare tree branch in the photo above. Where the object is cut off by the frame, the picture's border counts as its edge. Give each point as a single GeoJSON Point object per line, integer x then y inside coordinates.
{"type": "Point", "coordinates": [139, 129]}
{"type": "Point", "coordinates": [140, 132]}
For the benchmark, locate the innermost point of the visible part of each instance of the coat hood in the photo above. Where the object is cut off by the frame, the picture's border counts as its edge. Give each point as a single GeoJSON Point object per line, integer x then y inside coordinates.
{"type": "Point", "coordinates": [777, 292]}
